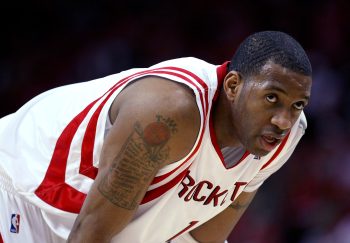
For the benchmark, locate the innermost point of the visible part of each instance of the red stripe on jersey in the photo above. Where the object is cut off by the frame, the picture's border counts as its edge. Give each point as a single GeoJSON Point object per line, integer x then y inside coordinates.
{"type": "Point", "coordinates": [217, 147]}
{"type": "Point", "coordinates": [1, 240]}
{"type": "Point", "coordinates": [160, 178]}
{"type": "Point", "coordinates": [199, 80]}
{"type": "Point", "coordinates": [62, 196]}
{"type": "Point", "coordinates": [157, 192]}
{"type": "Point", "coordinates": [205, 108]}
{"type": "Point", "coordinates": [87, 148]}
{"type": "Point", "coordinates": [86, 165]}
{"type": "Point", "coordinates": [278, 151]}
{"type": "Point", "coordinates": [53, 189]}
{"type": "Point", "coordinates": [221, 72]}
{"type": "Point", "coordinates": [55, 173]}
{"type": "Point", "coordinates": [57, 167]}
{"type": "Point", "coordinates": [189, 226]}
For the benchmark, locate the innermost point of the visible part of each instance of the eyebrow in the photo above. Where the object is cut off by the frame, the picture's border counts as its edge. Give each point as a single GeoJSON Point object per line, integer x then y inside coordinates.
{"type": "Point", "coordinates": [275, 87]}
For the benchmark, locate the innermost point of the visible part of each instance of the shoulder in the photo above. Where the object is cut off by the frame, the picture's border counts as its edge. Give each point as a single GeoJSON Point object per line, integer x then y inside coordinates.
{"type": "Point", "coordinates": [191, 67]}
{"type": "Point", "coordinates": [156, 93]}
{"type": "Point", "coordinates": [184, 61]}
{"type": "Point", "coordinates": [157, 102]}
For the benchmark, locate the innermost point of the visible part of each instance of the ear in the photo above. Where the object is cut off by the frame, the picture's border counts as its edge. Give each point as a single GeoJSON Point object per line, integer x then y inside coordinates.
{"type": "Point", "coordinates": [231, 85]}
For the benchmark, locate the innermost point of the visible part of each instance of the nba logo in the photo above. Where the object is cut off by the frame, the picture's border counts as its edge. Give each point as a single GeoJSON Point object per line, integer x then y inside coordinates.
{"type": "Point", "coordinates": [15, 223]}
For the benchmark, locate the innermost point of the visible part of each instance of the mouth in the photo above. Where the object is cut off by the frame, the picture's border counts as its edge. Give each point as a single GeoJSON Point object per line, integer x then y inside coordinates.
{"type": "Point", "coordinates": [269, 142]}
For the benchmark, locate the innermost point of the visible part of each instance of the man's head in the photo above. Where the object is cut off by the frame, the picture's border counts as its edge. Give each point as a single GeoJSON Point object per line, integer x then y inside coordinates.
{"type": "Point", "coordinates": [274, 46]}
{"type": "Point", "coordinates": [267, 86]}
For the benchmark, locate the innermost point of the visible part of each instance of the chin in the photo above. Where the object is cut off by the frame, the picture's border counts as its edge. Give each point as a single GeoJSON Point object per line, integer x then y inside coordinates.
{"type": "Point", "coordinates": [258, 151]}
{"type": "Point", "coordinates": [264, 153]}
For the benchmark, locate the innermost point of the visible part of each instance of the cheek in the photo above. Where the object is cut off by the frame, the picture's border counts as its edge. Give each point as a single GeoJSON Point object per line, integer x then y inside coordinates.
{"type": "Point", "coordinates": [245, 123]}
{"type": "Point", "coordinates": [250, 114]}
{"type": "Point", "coordinates": [254, 118]}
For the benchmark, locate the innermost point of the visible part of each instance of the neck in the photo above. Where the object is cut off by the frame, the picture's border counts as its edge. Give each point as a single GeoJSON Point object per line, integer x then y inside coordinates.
{"type": "Point", "coordinates": [222, 123]}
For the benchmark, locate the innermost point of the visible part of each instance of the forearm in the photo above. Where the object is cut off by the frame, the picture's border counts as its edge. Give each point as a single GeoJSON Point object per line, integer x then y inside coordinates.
{"type": "Point", "coordinates": [140, 142]}
{"type": "Point", "coordinates": [219, 228]}
{"type": "Point", "coordinates": [93, 228]}
{"type": "Point", "coordinates": [101, 216]}
{"type": "Point", "coordinates": [86, 230]}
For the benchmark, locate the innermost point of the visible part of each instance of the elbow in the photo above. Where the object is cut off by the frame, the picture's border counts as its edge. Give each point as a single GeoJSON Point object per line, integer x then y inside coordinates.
{"type": "Point", "coordinates": [75, 233]}
{"type": "Point", "coordinates": [85, 232]}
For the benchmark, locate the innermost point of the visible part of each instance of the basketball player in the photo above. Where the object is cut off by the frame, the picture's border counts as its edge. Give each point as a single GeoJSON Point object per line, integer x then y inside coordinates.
{"type": "Point", "coordinates": [170, 153]}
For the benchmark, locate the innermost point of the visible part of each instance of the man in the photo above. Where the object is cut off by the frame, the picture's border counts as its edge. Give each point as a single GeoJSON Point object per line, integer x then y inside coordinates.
{"type": "Point", "coordinates": [171, 153]}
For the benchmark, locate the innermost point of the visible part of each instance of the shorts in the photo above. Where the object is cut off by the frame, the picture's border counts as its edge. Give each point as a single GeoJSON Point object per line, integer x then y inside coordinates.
{"type": "Point", "coordinates": [21, 221]}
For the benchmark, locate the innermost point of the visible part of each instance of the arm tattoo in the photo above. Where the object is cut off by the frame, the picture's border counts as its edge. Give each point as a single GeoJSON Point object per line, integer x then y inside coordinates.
{"type": "Point", "coordinates": [137, 161]}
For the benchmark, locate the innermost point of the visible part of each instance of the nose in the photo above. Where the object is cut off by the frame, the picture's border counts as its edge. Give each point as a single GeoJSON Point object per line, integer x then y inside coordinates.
{"type": "Point", "coordinates": [282, 121]}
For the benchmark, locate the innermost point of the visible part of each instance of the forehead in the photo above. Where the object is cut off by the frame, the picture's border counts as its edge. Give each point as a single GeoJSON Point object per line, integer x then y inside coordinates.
{"type": "Point", "coordinates": [274, 76]}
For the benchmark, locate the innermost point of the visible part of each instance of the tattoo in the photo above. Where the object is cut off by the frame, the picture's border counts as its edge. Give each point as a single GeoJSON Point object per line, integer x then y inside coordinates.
{"type": "Point", "coordinates": [238, 206]}
{"type": "Point", "coordinates": [137, 161]}
{"type": "Point", "coordinates": [169, 122]}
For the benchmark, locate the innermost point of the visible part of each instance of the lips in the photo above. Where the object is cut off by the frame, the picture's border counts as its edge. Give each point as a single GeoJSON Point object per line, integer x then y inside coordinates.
{"type": "Point", "coordinates": [269, 142]}
{"type": "Point", "coordinates": [270, 139]}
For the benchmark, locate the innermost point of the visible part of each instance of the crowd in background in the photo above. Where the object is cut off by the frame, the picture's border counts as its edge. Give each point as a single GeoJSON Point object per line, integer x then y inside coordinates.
{"type": "Point", "coordinates": [45, 44]}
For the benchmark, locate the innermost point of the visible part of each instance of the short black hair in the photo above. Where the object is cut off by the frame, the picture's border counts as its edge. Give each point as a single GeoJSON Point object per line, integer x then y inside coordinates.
{"type": "Point", "coordinates": [276, 46]}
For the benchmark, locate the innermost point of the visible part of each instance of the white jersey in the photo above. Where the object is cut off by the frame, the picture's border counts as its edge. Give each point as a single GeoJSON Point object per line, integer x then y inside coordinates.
{"type": "Point", "coordinates": [50, 148]}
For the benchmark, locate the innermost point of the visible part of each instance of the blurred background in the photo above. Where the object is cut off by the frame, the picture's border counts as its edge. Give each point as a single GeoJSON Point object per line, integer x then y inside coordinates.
{"type": "Point", "coordinates": [45, 44]}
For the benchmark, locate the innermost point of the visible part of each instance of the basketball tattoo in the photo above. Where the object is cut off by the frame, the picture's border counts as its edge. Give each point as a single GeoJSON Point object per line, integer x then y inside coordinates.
{"type": "Point", "coordinates": [139, 160]}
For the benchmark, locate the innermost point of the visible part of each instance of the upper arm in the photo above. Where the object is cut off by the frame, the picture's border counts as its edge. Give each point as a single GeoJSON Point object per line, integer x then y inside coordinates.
{"type": "Point", "coordinates": [156, 123]}
{"type": "Point", "coordinates": [155, 126]}
{"type": "Point", "coordinates": [218, 228]}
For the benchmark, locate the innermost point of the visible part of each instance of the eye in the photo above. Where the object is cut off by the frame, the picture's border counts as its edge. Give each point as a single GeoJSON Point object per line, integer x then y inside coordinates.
{"type": "Point", "coordinates": [299, 105]}
{"type": "Point", "coordinates": [271, 98]}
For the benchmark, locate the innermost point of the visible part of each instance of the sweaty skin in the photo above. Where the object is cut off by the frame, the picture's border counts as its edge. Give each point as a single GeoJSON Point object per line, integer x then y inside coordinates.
{"type": "Point", "coordinates": [131, 155]}
{"type": "Point", "coordinates": [267, 104]}
{"type": "Point", "coordinates": [138, 159]}
{"type": "Point", "coordinates": [255, 112]}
